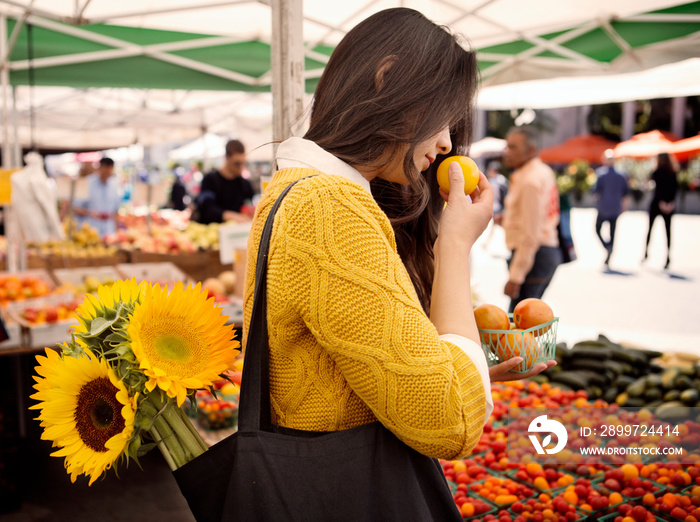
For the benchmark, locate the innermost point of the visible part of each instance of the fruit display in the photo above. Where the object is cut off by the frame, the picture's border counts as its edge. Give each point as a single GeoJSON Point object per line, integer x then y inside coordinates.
{"type": "Point", "coordinates": [17, 287]}
{"type": "Point", "coordinates": [83, 242]}
{"type": "Point", "coordinates": [531, 334]}
{"type": "Point", "coordinates": [162, 239]}
{"type": "Point", "coordinates": [216, 414]}
{"type": "Point", "coordinates": [164, 274]}
{"type": "Point", "coordinates": [508, 485]}
{"type": "Point", "coordinates": [217, 408]}
{"type": "Point", "coordinates": [49, 313]}
{"type": "Point", "coordinates": [86, 280]}
{"type": "Point", "coordinates": [222, 286]}
{"type": "Point", "coordinates": [204, 236]}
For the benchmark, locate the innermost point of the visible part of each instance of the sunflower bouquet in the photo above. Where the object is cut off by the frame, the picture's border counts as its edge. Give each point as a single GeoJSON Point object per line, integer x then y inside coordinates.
{"type": "Point", "coordinates": [116, 389]}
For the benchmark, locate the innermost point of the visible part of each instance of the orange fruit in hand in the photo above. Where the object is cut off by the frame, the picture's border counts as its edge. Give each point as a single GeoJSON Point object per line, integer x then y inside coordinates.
{"type": "Point", "coordinates": [518, 343]}
{"type": "Point", "coordinates": [532, 312]}
{"type": "Point", "coordinates": [490, 317]}
{"type": "Point", "coordinates": [469, 170]}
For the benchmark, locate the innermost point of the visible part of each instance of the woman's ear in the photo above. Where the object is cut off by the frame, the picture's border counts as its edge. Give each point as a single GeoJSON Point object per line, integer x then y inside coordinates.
{"type": "Point", "coordinates": [383, 68]}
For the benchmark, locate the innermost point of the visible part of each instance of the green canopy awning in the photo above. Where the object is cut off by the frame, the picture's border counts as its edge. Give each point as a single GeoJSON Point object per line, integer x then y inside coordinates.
{"type": "Point", "coordinates": [106, 55]}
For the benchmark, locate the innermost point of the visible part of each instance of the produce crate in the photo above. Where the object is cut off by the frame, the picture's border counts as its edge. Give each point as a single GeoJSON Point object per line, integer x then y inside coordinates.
{"type": "Point", "coordinates": [163, 273]}
{"type": "Point", "coordinates": [234, 310]}
{"type": "Point", "coordinates": [583, 515]}
{"type": "Point", "coordinates": [35, 261]}
{"type": "Point", "coordinates": [214, 264]}
{"type": "Point", "coordinates": [43, 334]}
{"type": "Point", "coordinates": [15, 333]}
{"type": "Point", "coordinates": [493, 508]}
{"type": "Point", "coordinates": [535, 345]}
{"type": "Point", "coordinates": [660, 491]}
{"type": "Point", "coordinates": [59, 262]}
{"type": "Point", "coordinates": [50, 334]}
{"type": "Point", "coordinates": [195, 265]}
{"type": "Point", "coordinates": [40, 273]}
{"type": "Point", "coordinates": [512, 474]}
{"type": "Point", "coordinates": [76, 276]}
{"type": "Point", "coordinates": [522, 494]}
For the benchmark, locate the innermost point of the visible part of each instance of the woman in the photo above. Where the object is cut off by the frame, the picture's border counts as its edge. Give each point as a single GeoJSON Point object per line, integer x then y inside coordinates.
{"type": "Point", "coordinates": [369, 314]}
{"type": "Point", "coordinates": [664, 201]}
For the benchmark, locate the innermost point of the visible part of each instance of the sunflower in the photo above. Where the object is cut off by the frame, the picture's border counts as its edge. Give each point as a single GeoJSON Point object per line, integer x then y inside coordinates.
{"type": "Point", "coordinates": [109, 298]}
{"type": "Point", "coordinates": [85, 411]}
{"type": "Point", "coordinates": [180, 340]}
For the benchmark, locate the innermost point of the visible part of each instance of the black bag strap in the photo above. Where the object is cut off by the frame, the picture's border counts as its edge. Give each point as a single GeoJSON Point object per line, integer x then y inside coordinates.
{"type": "Point", "coordinates": [254, 411]}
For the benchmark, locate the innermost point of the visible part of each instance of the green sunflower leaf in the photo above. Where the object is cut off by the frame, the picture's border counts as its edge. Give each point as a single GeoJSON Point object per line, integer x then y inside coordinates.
{"type": "Point", "coordinates": [99, 325]}
{"type": "Point", "coordinates": [114, 338]}
{"type": "Point", "coordinates": [145, 448]}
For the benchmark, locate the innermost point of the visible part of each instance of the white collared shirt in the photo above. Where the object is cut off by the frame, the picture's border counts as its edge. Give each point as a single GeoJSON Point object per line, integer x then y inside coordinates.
{"type": "Point", "coordinates": [300, 153]}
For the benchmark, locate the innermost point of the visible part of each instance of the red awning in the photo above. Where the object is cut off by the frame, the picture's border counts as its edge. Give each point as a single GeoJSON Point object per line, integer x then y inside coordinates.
{"type": "Point", "coordinates": [587, 147]}
{"type": "Point", "coordinates": [687, 148]}
{"type": "Point", "coordinates": [646, 145]}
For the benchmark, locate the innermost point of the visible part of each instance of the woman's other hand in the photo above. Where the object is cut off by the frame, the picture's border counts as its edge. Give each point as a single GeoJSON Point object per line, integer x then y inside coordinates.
{"type": "Point", "coordinates": [502, 371]}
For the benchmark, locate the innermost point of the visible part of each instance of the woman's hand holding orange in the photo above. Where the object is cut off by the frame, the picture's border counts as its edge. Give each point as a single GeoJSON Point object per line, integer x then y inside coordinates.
{"type": "Point", "coordinates": [465, 217]}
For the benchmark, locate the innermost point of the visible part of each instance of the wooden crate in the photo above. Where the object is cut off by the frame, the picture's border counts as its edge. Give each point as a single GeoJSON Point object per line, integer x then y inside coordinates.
{"type": "Point", "coordinates": [76, 276]}
{"type": "Point", "coordinates": [191, 264]}
{"type": "Point", "coordinates": [59, 262]}
{"type": "Point", "coordinates": [44, 334]}
{"type": "Point", "coordinates": [214, 265]}
{"type": "Point", "coordinates": [47, 335]}
{"type": "Point", "coordinates": [163, 273]}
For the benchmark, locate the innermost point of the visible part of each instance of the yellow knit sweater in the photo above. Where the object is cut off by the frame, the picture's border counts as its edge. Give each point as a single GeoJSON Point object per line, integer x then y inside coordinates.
{"type": "Point", "coordinates": [349, 341]}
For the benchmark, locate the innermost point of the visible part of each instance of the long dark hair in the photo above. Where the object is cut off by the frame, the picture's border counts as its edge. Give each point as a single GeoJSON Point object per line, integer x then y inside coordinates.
{"type": "Point", "coordinates": [397, 79]}
{"type": "Point", "coordinates": [664, 163]}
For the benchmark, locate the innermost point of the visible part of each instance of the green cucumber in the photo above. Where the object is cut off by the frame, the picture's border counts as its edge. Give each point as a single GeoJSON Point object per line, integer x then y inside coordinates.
{"type": "Point", "coordinates": [671, 411]}
{"type": "Point", "coordinates": [571, 379]}
{"type": "Point", "coordinates": [690, 397]}
{"type": "Point", "coordinates": [637, 388]}
{"type": "Point", "coordinates": [653, 394]}
{"type": "Point", "coordinates": [672, 395]}
{"type": "Point", "coordinates": [586, 352]}
{"type": "Point", "coordinates": [668, 378]}
{"type": "Point", "coordinates": [585, 363]}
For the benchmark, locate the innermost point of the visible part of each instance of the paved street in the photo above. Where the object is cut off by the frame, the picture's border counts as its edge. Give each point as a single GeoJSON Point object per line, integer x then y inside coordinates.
{"type": "Point", "coordinates": [636, 302]}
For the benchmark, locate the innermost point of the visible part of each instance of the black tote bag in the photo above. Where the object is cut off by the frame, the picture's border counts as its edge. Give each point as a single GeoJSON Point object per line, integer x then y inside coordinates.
{"type": "Point", "coordinates": [266, 473]}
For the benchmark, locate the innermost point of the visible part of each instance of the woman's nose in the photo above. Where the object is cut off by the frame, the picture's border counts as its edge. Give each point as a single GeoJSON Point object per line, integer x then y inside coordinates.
{"type": "Point", "coordinates": [444, 142]}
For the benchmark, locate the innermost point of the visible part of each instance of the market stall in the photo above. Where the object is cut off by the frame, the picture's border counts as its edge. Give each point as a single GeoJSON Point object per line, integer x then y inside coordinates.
{"type": "Point", "coordinates": [487, 485]}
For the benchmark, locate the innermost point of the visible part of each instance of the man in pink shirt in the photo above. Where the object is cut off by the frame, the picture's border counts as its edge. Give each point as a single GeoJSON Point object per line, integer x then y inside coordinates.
{"type": "Point", "coordinates": [530, 218]}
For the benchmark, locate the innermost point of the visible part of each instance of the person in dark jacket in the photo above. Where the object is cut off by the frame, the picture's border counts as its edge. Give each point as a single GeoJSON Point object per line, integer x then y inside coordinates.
{"type": "Point", "coordinates": [612, 191]}
{"type": "Point", "coordinates": [225, 191]}
{"type": "Point", "coordinates": [664, 201]}
{"type": "Point", "coordinates": [178, 192]}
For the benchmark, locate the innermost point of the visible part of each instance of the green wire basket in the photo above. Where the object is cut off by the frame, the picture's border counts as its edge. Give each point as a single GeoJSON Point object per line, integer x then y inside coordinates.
{"type": "Point", "coordinates": [535, 345]}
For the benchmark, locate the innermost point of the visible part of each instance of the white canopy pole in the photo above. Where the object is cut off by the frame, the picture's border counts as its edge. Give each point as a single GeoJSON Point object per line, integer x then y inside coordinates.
{"type": "Point", "coordinates": [4, 93]}
{"type": "Point", "coordinates": [287, 50]}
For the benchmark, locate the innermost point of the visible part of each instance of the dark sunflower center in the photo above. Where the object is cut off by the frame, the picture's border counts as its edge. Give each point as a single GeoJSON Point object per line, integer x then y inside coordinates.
{"type": "Point", "coordinates": [98, 413]}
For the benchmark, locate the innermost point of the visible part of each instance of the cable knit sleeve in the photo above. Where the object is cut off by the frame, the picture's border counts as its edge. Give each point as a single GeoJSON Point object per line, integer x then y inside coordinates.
{"type": "Point", "coordinates": [343, 276]}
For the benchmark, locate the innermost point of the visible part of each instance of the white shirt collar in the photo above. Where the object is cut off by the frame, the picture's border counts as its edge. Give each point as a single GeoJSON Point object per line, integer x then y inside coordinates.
{"type": "Point", "coordinates": [300, 153]}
